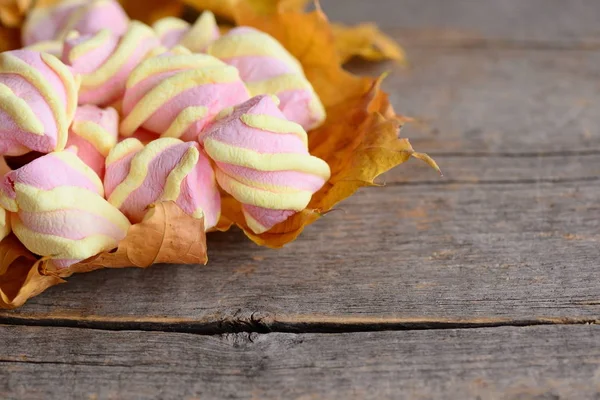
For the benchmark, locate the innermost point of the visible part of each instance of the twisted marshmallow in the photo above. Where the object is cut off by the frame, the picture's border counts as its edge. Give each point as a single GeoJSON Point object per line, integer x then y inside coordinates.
{"type": "Point", "coordinates": [174, 31]}
{"type": "Point", "coordinates": [38, 96]}
{"type": "Point", "coordinates": [177, 95]}
{"type": "Point", "coordinates": [166, 169]}
{"type": "Point", "coordinates": [105, 60]}
{"type": "Point", "coordinates": [84, 16]}
{"type": "Point", "coordinates": [58, 210]}
{"type": "Point", "coordinates": [263, 162]}
{"type": "Point", "coordinates": [268, 68]}
{"type": "Point", "coordinates": [94, 133]}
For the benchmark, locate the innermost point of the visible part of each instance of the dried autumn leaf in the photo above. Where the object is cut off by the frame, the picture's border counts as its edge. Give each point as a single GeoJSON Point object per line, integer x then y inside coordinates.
{"type": "Point", "coordinates": [167, 235]}
{"type": "Point", "coordinates": [20, 276]}
{"type": "Point", "coordinates": [227, 8]}
{"type": "Point", "coordinates": [149, 11]}
{"type": "Point", "coordinates": [12, 12]}
{"type": "Point", "coordinates": [365, 41]}
{"type": "Point", "coordinates": [10, 38]}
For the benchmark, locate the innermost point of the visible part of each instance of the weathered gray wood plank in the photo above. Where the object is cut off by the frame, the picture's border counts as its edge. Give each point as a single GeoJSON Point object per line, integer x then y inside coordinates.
{"type": "Point", "coordinates": [497, 101]}
{"type": "Point", "coordinates": [472, 253]}
{"type": "Point", "coordinates": [509, 363]}
{"type": "Point", "coordinates": [441, 21]}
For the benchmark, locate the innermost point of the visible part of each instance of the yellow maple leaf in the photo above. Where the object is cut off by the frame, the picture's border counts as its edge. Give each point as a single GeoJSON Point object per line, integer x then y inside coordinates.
{"type": "Point", "coordinates": [365, 41]}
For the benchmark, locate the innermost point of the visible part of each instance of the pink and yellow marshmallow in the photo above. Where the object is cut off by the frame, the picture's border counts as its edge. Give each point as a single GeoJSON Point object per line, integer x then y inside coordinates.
{"type": "Point", "coordinates": [38, 97]}
{"type": "Point", "coordinates": [84, 16]}
{"type": "Point", "coordinates": [176, 94]}
{"type": "Point", "coordinates": [263, 161]}
{"type": "Point", "coordinates": [105, 60]}
{"type": "Point", "coordinates": [93, 134]}
{"type": "Point", "coordinates": [57, 209]}
{"type": "Point", "coordinates": [166, 169]}
{"type": "Point", "coordinates": [174, 31]}
{"type": "Point", "coordinates": [268, 68]}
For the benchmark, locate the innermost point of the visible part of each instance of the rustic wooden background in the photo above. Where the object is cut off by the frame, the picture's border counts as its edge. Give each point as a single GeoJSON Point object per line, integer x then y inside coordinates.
{"type": "Point", "coordinates": [480, 285]}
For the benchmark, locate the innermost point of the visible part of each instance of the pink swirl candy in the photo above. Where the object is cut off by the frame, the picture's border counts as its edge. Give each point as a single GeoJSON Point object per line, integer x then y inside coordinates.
{"type": "Point", "coordinates": [166, 169]}
{"type": "Point", "coordinates": [174, 31]}
{"type": "Point", "coordinates": [105, 60]}
{"type": "Point", "coordinates": [268, 68]}
{"type": "Point", "coordinates": [58, 209]}
{"type": "Point", "coordinates": [178, 94]}
{"type": "Point", "coordinates": [263, 162]}
{"type": "Point", "coordinates": [94, 133]}
{"type": "Point", "coordinates": [38, 96]}
{"type": "Point", "coordinates": [84, 16]}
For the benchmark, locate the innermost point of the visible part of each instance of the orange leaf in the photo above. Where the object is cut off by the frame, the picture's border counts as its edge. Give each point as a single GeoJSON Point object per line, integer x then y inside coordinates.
{"type": "Point", "coordinates": [149, 11]}
{"type": "Point", "coordinates": [365, 41]}
{"type": "Point", "coordinates": [227, 8]}
{"type": "Point", "coordinates": [20, 276]}
{"type": "Point", "coordinates": [10, 38]}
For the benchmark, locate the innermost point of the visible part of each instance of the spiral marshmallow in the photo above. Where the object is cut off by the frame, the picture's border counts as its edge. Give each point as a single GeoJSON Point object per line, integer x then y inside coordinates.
{"type": "Point", "coordinates": [83, 16]}
{"type": "Point", "coordinates": [94, 133]}
{"type": "Point", "coordinates": [263, 162]}
{"type": "Point", "coordinates": [58, 210]}
{"type": "Point", "coordinates": [166, 169]}
{"type": "Point", "coordinates": [174, 31]}
{"type": "Point", "coordinates": [268, 68]}
{"type": "Point", "coordinates": [105, 60]}
{"type": "Point", "coordinates": [38, 97]}
{"type": "Point", "coordinates": [177, 95]}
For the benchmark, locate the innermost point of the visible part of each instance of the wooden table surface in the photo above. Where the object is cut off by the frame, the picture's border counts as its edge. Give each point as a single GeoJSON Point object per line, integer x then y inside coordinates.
{"type": "Point", "coordinates": [484, 284]}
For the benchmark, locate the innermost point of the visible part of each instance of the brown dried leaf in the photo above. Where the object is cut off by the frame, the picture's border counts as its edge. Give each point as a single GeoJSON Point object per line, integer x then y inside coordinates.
{"type": "Point", "coordinates": [226, 8]}
{"type": "Point", "coordinates": [12, 12]}
{"type": "Point", "coordinates": [20, 276]}
{"type": "Point", "coordinates": [149, 11]}
{"type": "Point", "coordinates": [167, 235]}
{"type": "Point", "coordinates": [10, 38]}
{"type": "Point", "coordinates": [365, 41]}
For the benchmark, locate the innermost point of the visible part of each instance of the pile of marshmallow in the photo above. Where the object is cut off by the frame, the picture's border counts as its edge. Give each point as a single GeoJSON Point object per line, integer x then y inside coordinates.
{"type": "Point", "coordinates": [126, 115]}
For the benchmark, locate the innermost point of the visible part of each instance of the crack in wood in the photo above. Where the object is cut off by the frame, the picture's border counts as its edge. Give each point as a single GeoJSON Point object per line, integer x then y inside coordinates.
{"type": "Point", "coordinates": [261, 322]}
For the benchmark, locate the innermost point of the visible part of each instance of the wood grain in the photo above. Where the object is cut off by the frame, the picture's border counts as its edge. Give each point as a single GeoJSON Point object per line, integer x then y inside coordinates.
{"type": "Point", "coordinates": [526, 23]}
{"type": "Point", "coordinates": [507, 362]}
{"type": "Point", "coordinates": [447, 253]}
{"type": "Point", "coordinates": [497, 101]}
